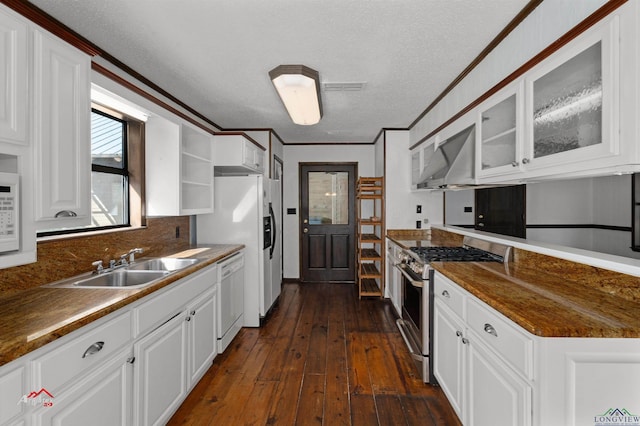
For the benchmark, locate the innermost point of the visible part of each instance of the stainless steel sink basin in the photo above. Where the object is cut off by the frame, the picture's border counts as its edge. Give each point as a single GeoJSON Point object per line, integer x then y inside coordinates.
{"type": "Point", "coordinates": [163, 264]}
{"type": "Point", "coordinates": [122, 278]}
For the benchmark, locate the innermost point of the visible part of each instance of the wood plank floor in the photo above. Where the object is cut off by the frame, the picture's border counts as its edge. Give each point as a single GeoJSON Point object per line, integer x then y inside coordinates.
{"type": "Point", "coordinates": [323, 357]}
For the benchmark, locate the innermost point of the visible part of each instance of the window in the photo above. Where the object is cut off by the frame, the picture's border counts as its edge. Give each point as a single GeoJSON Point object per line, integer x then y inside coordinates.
{"type": "Point", "coordinates": [109, 171]}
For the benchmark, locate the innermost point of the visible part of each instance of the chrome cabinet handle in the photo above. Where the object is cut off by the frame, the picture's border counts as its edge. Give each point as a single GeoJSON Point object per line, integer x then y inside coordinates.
{"type": "Point", "coordinates": [490, 329]}
{"type": "Point", "coordinates": [95, 348]}
{"type": "Point", "coordinates": [458, 333]}
{"type": "Point", "coordinates": [446, 294]}
{"type": "Point", "coordinates": [66, 213]}
{"type": "Point", "coordinates": [188, 319]}
{"type": "Point", "coordinates": [131, 360]}
{"type": "Point", "coordinates": [193, 312]}
{"type": "Point", "coordinates": [465, 340]}
{"type": "Point", "coordinates": [515, 164]}
{"type": "Point", "coordinates": [525, 161]}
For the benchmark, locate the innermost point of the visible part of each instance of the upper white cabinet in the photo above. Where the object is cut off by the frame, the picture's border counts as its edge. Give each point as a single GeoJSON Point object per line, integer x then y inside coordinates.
{"type": "Point", "coordinates": [179, 172]}
{"type": "Point", "coordinates": [572, 102]}
{"type": "Point", "coordinates": [500, 123]}
{"type": "Point", "coordinates": [236, 154]}
{"type": "Point", "coordinates": [13, 78]}
{"type": "Point", "coordinates": [61, 133]}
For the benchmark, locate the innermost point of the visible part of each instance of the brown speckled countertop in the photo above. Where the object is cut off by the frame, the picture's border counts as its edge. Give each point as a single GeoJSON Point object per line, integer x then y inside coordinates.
{"type": "Point", "coordinates": [32, 318]}
{"type": "Point", "coordinates": [546, 296]}
{"type": "Point", "coordinates": [544, 304]}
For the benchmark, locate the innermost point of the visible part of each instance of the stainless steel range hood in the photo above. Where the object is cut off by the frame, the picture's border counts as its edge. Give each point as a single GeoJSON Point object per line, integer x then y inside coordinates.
{"type": "Point", "coordinates": [451, 164]}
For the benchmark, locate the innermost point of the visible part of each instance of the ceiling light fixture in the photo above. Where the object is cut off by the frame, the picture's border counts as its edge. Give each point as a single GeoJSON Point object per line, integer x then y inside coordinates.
{"type": "Point", "coordinates": [299, 88]}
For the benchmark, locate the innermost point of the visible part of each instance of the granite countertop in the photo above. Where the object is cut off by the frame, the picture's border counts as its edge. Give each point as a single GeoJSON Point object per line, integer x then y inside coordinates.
{"type": "Point", "coordinates": [567, 304]}
{"type": "Point", "coordinates": [32, 318]}
{"type": "Point", "coordinates": [544, 304]}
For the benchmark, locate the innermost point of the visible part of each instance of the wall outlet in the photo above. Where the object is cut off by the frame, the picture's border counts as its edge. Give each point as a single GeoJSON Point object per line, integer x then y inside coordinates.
{"type": "Point", "coordinates": [418, 208]}
{"type": "Point", "coordinates": [418, 224]}
{"type": "Point", "coordinates": [177, 232]}
{"type": "Point", "coordinates": [468, 209]}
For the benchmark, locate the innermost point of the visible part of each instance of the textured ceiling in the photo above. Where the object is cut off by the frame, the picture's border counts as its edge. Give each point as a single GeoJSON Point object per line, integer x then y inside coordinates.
{"type": "Point", "coordinates": [215, 55]}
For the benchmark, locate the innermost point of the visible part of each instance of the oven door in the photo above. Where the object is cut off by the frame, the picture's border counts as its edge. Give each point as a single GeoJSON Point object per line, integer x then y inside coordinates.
{"type": "Point", "coordinates": [410, 324]}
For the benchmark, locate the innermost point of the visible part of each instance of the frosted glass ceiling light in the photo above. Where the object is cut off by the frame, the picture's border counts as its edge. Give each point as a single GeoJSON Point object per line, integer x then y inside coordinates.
{"type": "Point", "coordinates": [299, 88]}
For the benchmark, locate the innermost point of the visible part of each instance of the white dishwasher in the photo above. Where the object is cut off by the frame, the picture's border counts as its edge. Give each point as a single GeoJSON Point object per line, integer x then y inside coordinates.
{"type": "Point", "coordinates": [230, 299]}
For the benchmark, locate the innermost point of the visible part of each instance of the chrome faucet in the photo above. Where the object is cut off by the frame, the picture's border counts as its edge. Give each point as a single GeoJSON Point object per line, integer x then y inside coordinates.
{"type": "Point", "coordinates": [132, 253]}
{"type": "Point", "coordinates": [99, 267]}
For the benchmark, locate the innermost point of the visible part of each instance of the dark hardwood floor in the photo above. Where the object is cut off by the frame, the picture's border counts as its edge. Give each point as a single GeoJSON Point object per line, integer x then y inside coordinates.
{"type": "Point", "coordinates": [323, 357]}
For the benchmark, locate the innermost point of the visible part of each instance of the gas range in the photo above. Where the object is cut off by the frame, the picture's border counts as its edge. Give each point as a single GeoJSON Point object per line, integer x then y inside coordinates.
{"type": "Point", "coordinates": [417, 259]}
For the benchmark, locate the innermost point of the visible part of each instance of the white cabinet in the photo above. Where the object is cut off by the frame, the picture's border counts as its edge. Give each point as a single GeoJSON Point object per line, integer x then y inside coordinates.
{"type": "Point", "coordinates": [236, 154]}
{"type": "Point", "coordinates": [13, 78]}
{"type": "Point", "coordinates": [12, 391]}
{"type": "Point", "coordinates": [160, 382]}
{"type": "Point", "coordinates": [230, 299]}
{"type": "Point", "coordinates": [61, 133]}
{"type": "Point", "coordinates": [480, 360]}
{"type": "Point", "coordinates": [449, 356]}
{"type": "Point", "coordinates": [393, 279]}
{"type": "Point", "coordinates": [177, 344]}
{"type": "Point", "coordinates": [102, 397]}
{"type": "Point", "coordinates": [179, 172]}
{"type": "Point", "coordinates": [572, 102]}
{"type": "Point", "coordinates": [202, 335]}
{"type": "Point", "coordinates": [500, 125]}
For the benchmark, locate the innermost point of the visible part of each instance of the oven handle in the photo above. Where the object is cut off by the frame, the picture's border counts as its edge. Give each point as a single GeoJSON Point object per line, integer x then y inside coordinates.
{"type": "Point", "coordinates": [413, 282]}
{"type": "Point", "coordinates": [412, 352]}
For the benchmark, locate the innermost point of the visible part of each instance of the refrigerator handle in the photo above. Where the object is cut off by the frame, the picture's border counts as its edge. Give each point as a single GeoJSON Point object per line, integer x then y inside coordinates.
{"type": "Point", "coordinates": [273, 231]}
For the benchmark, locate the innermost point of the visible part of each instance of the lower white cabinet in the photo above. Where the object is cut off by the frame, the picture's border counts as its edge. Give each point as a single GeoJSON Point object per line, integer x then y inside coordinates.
{"type": "Point", "coordinates": [482, 386]}
{"type": "Point", "coordinates": [394, 279]}
{"type": "Point", "coordinates": [496, 396]}
{"type": "Point", "coordinates": [202, 339]}
{"type": "Point", "coordinates": [101, 398]}
{"type": "Point", "coordinates": [160, 372]}
{"type": "Point", "coordinates": [12, 389]}
{"type": "Point", "coordinates": [494, 373]}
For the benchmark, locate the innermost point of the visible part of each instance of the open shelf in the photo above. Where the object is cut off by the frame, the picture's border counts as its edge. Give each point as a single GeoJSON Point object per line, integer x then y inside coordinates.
{"type": "Point", "coordinates": [370, 263]}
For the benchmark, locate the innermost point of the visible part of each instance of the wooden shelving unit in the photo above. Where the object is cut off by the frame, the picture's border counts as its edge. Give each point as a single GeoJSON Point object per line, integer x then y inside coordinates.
{"type": "Point", "coordinates": [370, 250]}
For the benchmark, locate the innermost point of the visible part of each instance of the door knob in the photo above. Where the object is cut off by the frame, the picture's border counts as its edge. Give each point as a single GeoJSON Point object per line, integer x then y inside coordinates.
{"type": "Point", "coordinates": [480, 216]}
{"type": "Point", "coordinates": [481, 224]}
{"type": "Point", "coordinates": [305, 221]}
{"type": "Point", "coordinates": [305, 230]}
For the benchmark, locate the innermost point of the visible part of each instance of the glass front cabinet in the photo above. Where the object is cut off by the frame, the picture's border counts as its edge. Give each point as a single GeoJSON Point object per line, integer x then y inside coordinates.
{"type": "Point", "coordinates": [500, 130]}
{"type": "Point", "coordinates": [572, 102]}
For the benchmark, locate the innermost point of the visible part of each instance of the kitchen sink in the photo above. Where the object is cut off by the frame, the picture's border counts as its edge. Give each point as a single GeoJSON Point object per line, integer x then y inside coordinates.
{"type": "Point", "coordinates": [163, 264]}
{"type": "Point", "coordinates": [136, 275]}
{"type": "Point", "coordinates": [120, 279]}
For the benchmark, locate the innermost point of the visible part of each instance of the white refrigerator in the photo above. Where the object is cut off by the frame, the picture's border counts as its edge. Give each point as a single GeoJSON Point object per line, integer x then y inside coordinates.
{"type": "Point", "coordinates": [241, 204]}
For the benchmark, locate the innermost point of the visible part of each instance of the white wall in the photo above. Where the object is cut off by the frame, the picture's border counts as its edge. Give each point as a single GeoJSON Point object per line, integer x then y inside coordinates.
{"type": "Point", "coordinates": [400, 200]}
{"type": "Point", "coordinates": [364, 155]}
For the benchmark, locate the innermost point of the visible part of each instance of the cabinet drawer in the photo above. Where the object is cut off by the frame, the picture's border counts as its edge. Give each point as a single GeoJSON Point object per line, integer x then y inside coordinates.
{"type": "Point", "coordinates": [503, 336]}
{"type": "Point", "coordinates": [450, 294]}
{"type": "Point", "coordinates": [162, 307]}
{"type": "Point", "coordinates": [60, 366]}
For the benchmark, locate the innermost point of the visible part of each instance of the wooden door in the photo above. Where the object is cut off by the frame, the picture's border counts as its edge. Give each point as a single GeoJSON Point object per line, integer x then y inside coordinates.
{"type": "Point", "coordinates": [327, 221]}
{"type": "Point", "coordinates": [501, 210]}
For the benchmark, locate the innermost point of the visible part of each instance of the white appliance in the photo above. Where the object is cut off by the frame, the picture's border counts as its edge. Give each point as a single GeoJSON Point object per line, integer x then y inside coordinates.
{"type": "Point", "coordinates": [230, 299]}
{"type": "Point", "coordinates": [240, 208]}
{"type": "Point", "coordinates": [9, 212]}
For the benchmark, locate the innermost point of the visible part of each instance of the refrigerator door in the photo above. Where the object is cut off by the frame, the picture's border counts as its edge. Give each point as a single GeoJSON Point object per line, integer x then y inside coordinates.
{"type": "Point", "coordinates": [276, 245]}
{"type": "Point", "coordinates": [237, 219]}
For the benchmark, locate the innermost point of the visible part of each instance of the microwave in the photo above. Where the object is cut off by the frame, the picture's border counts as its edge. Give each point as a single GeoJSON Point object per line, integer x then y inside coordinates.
{"type": "Point", "coordinates": [9, 212]}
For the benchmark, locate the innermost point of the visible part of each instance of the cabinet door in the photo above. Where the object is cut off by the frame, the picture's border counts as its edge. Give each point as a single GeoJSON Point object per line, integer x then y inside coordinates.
{"type": "Point", "coordinates": [12, 389]}
{"type": "Point", "coordinates": [160, 380]}
{"type": "Point", "coordinates": [102, 398]}
{"type": "Point", "coordinates": [496, 395]}
{"type": "Point", "coordinates": [499, 133]}
{"type": "Point", "coordinates": [61, 133]}
{"type": "Point", "coordinates": [202, 336]}
{"type": "Point", "coordinates": [448, 355]}
{"type": "Point", "coordinates": [13, 78]}
{"type": "Point", "coordinates": [573, 102]}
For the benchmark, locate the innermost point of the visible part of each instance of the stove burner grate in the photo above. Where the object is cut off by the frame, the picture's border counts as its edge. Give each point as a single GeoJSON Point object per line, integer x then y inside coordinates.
{"type": "Point", "coordinates": [454, 254]}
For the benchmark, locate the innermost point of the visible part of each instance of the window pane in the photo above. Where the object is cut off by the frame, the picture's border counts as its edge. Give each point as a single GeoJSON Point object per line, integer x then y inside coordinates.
{"type": "Point", "coordinates": [328, 198]}
{"type": "Point", "coordinates": [108, 199]}
{"type": "Point", "coordinates": [107, 141]}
